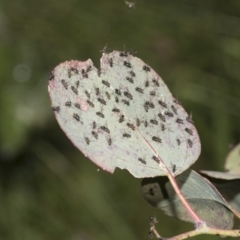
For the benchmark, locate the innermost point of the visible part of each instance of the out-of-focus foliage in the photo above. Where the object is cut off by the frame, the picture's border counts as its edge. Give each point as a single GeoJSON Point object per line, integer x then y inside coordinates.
{"type": "Point", "coordinates": [48, 189]}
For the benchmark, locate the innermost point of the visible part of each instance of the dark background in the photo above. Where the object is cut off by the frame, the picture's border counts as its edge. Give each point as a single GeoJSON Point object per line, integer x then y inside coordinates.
{"type": "Point", "coordinates": [48, 190]}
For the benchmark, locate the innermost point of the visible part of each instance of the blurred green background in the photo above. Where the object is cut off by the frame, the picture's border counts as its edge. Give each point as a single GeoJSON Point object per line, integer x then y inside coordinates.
{"type": "Point", "coordinates": [48, 190]}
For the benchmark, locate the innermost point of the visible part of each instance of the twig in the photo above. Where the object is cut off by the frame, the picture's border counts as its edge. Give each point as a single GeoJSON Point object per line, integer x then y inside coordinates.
{"type": "Point", "coordinates": [201, 230]}
{"type": "Point", "coordinates": [153, 230]}
{"type": "Point", "coordinates": [206, 230]}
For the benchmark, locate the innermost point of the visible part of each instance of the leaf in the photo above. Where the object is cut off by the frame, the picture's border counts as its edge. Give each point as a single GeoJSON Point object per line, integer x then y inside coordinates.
{"type": "Point", "coordinates": [200, 194]}
{"type": "Point", "coordinates": [232, 164]}
{"type": "Point", "coordinates": [220, 175]}
{"type": "Point", "coordinates": [123, 115]}
{"type": "Point", "coordinates": [230, 190]}
{"type": "Point", "coordinates": [228, 183]}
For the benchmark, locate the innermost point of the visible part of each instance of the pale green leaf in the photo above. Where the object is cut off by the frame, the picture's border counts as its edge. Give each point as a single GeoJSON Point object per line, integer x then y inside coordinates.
{"type": "Point", "coordinates": [199, 192]}
{"type": "Point", "coordinates": [123, 115]}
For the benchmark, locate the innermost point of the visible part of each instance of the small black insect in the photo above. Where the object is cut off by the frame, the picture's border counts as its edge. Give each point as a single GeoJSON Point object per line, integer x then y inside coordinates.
{"type": "Point", "coordinates": [173, 168]}
{"type": "Point", "coordinates": [105, 50]}
{"type": "Point", "coordinates": [97, 91]}
{"type": "Point", "coordinates": [100, 114]}
{"type": "Point", "coordinates": [105, 129]}
{"type": "Point", "coordinates": [150, 104]}
{"type": "Point", "coordinates": [146, 108]}
{"type": "Point", "coordinates": [121, 119]}
{"type": "Point", "coordinates": [147, 84]}
{"type": "Point", "coordinates": [178, 142]}
{"type": "Point", "coordinates": [89, 68]}
{"type": "Point", "coordinates": [168, 114]}
{"type": "Point", "coordinates": [90, 103]}
{"type": "Point", "coordinates": [189, 119]}
{"type": "Point", "coordinates": [69, 73]}
{"type": "Point", "coordinates": [116, 110]}
{"type": "Point", "coordinates": [155, 82]}
{"type": "Point", "coordinates": [131, 126]}
{"type": "Point", "coordinates": [87, 94]}
{"type": "Point", "coordinates": [128, 95]}
{"type": "Point", "coordinates": [174, 109]}
{"type": "Point", "coordinates": [190, 143]}
{"type": "Point", "coordinates": [123, 54]}
{"type": "Point", "coordinates": [146, 68]}
{"type": "Point", "coordinates": [142, 160]}
{"type": "Point", "coordinates": [110, 60]}
{"type": "Point", "coordinates": [74, 70]}
{"type": "Point", "coordinates": [74, 90]}
{"type": "Point", "coordinates": [155, 159]}
{"type": "Point", "coordinates": [95, 134]}
{"type": "Point", "coordinates": [139, 89]}
{"type": "Point", "coordinates": [76, 116]}
{"type": "Point", "coordinates": [127, 64]}
{"type": "Point", "coordinates": [162, 117]}
{"type": "Point", "coordinates": [106, 83]}
{"type": "Point", "coordinates": [129, 79]}
{"type": "Point", "coordinates": [118, 92]}
{"type": "Point", "coordinates": [109, 141]}
{"type": "Point", "coordinates": [84, 74]}
{"type": "Point", "coordinates": [87, 140]}
{"type": "Point", "coordinates": [99, 72]}
{"type": "Point", "coordinates": [56, 109]}
{"type": "Point", "coordinates": [108, 95]}
{"type": "Point", "coordinates": [116, 99]}
{"type": "Point", "coordinates": [50, 76]}
{"type": "Point", "coordinates": [178, 120]}
{"type": "Point", "coordinates": [153, 121]}
{"type": "Point", "coordinates": [126, 135]}
{"type": "Point", "coordinates": [145, 124]}
{"type": "Point", "coordinates": [77, 84]}
{"type": "Point", "coordinates": [163, 127]}
{"type": "Point", "coordinates": [156, 139]}
{"type": "Point", "coordinates": [176, 101]}
{"type": "Point", "coordinates": [102, 101]}
{"type": "Point", "coordinates": [77, 105]}
{"type": "Point", "coordinates": [163, 104]}
{"type": "Point", "coordinates": [125, 102]}
{"type": "Point", "coordinates": [132, 74]}
{"type": "Point", "coordinates": [94, 124]}
{"type": "Point", "coordinates": [138, 122]}
{"type": "Point", "coordinates": [68, 104]}
{"type": "Point", "coordinates": [64, 83]}
{"type": "Point", "coordinates": [189, 131]}
{"type": "Point", "coordinates": [152, 93]}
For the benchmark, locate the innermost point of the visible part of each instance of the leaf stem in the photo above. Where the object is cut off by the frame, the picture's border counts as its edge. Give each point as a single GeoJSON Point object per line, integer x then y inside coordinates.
{"type": "Point", "coordinates": [198, 221]}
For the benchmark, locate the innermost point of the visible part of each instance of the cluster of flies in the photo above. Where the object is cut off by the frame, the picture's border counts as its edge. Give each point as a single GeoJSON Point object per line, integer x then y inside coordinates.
{"type": "Point", "coordinates": [118, 93]}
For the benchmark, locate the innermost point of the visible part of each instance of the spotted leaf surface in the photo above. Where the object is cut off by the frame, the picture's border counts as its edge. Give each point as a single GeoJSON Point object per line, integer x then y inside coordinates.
{"type": "Point", "coordinates": [123, 115]}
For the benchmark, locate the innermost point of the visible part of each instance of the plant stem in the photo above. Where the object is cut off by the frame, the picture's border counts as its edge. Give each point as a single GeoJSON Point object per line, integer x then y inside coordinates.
{"type": "Point", "coordinates": [206, 230]}
{"type": "Point", "coordinates": [198, 221]}
{"type": "Point", "coordinates": [201, 230]}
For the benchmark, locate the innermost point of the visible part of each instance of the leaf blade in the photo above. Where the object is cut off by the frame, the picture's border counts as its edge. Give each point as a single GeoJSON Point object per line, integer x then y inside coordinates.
{"type": "Point", "coordinates": [143, 136]}
{"type": "Point", "coordinates": [200, 194]}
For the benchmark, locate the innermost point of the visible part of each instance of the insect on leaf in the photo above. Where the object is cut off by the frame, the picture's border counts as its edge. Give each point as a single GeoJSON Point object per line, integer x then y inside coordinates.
{"type": "Point", "coordinates": [138, 125]}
